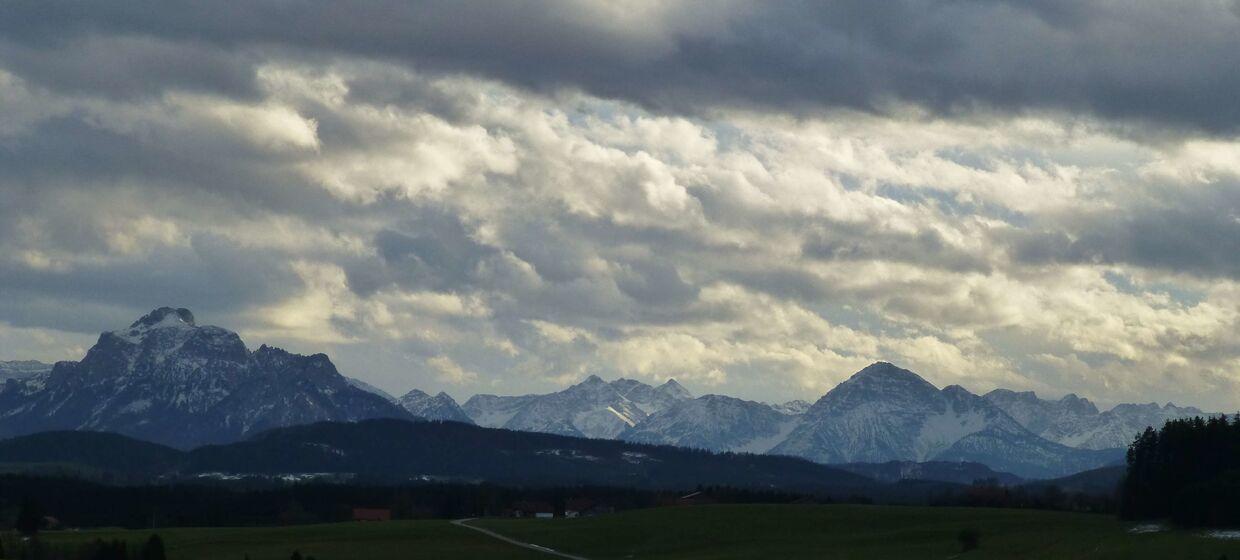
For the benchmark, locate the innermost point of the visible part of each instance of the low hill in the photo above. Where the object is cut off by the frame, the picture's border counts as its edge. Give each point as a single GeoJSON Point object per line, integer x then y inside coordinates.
{"type": "Point", "coordinates": [1101, 482]}
{"type": "Point", "coordinates": [98, 452]}
{"type": "Point", "coordinates": [396, 451]}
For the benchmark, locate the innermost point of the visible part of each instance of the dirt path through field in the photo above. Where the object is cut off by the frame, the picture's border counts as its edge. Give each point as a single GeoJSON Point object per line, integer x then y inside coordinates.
{"type": "Point", "coordinates": [465, 523]}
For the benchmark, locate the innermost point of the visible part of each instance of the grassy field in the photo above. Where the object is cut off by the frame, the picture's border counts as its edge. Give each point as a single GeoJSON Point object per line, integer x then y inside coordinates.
{"type": "Point", "coordinates": [820, 532]}
{"type": "Point", "coordinates": [855, 532]}
{"type": "Point", "coordinates": [396, 540]}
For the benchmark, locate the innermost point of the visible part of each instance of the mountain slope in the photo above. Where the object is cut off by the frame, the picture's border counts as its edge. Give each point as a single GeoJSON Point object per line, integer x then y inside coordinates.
{"type": "Point", "coordinates": [166, 379]}
{"type": "Point", "coordinates": [1076, 422]}
{"type": "Point", "coordinates": [438, 407]}
{"type": "Point", "coordinates": [98, 451]}
{"type": "Point", "coordinates": [1039, 415]}
{"type": "Point", "coordinates": [22, 370]}
{"type": "Point", "coordinates": [942, 471]}
{"type": "Point", "coordinates": [370, 388]}
{"type": "Point", "coordinates": [793, 408]}
{"type": "Point", "coordinates": [1027, 455]}
{"type": "Point", "coordinates": [716, 423]}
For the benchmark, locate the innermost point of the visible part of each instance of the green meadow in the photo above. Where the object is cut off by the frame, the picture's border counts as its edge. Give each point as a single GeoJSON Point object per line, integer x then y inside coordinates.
{"type": "Point", "coordinates": [722, 531]}
{"type": "Point", "coordinates": [395, 540]}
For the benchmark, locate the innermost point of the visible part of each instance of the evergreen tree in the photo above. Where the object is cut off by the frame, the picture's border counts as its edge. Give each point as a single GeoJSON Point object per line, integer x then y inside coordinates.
{"type": "Point", "coordinates": [1189, 471]}
{"type": "Point", "coordinates": [969, 539]}
{"type": "Point", "coordinates": [154, 549]}
{"type": "Point", "coordinates": [30, 518]}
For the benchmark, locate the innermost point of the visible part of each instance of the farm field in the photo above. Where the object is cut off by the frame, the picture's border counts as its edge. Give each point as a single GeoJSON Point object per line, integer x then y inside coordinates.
{"type": "Point", "coordinates": [395, 540]}
{"type": "Point", "coordinates": [720, 531]}
{"type": "Point", "coordinates": [855, 532]}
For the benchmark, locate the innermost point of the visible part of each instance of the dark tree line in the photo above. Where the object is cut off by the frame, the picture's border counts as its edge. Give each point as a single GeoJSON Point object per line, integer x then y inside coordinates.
{"type": "Point", "coordinates": [34, 549]}
{"type": "Point", "coordinates": [78, 503]}
{"type": "Point", "coordinates": [1188, 471]}
{"type": "Point", "coordinates": [990, 494]}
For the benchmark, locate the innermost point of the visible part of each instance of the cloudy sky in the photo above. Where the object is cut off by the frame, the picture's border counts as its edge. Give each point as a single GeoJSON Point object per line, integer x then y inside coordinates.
{"type": "Point", "coordinates": [755, 198]}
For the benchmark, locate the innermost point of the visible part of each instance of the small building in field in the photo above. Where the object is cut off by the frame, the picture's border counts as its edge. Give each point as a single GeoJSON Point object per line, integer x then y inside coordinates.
{"type": "Point", "coordinates": [372, 514]}
{"type": "Point", "coordinates": [576, 507]}
{"type": "Point", "coordinates": [586, 507]}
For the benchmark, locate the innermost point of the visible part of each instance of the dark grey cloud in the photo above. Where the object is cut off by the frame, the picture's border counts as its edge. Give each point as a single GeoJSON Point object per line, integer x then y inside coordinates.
{"type": "Point", "coordinates": [211, 275]}
{"type": "Point", "coordinates": [128, 66]}
{"type": "Point", "coordinates": [1146, 62]}
{"type": "Point", "coordinates": [655, 282]}
{"type": "Point", "coordinates": [432, 250]}
{"type": "Point", "coordinates": [279, 169]}
{"type": "Point", "coordinates": [1195, 232]}
{"type": "Point", "coordinates": [863, 242]}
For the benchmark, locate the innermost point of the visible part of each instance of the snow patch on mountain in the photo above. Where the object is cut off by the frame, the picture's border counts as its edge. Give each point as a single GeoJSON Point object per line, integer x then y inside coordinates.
{"type": "Point", "coordinates": [592, 408]}
{"type": "Point", "coordinates": [716, 423]}
{"type": "Point", "coordinates": [371, 389]}
{"type": "Point", "coordinates": [762, 444]}
{"type": "Point", "coordinates": [792, 408]}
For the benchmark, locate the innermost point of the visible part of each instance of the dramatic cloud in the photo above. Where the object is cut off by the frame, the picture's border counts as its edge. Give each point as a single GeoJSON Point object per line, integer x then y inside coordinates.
{"type": "Point", "coordinates": [1159, 62]}
{"type": "Point", "coordinates": [756, 199]}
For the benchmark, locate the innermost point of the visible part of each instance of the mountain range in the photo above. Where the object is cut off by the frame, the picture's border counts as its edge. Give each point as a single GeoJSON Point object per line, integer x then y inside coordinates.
{"type": "Point", "coordinates": [167, 380]}
{"type": "Point", "coordinates": [882, 413]}
{"type": "Point", "coordinates": [593, 408]}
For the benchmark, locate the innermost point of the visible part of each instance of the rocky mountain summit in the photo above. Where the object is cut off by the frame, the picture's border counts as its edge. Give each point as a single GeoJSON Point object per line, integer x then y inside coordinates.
{"type": "Point", "coordinates": [168, 380]}
{"type": "Point", "coordinates": [439, 407]}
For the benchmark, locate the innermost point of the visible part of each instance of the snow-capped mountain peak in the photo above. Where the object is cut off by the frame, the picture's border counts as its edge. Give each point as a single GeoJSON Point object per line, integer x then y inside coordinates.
{"type": "Point", "coordinates": [167, 379]}
{"type": "Point", "coordinates": [887, 375]}
{"type": "Point", "coordinates": [884, 412]}
{"type": "Point", "coordinates": [164, 318]}
{"type": "Point", "coordinates": [1077, 405]}
{"type": "Point", "coordinates": [674, 389]}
